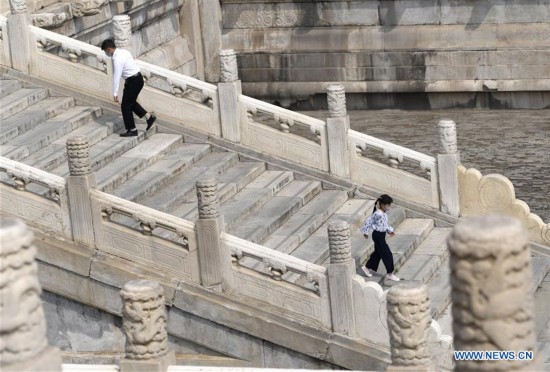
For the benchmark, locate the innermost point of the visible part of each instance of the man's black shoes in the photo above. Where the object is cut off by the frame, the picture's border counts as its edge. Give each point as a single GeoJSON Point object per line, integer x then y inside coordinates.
{"type": "Point", "coordinates": [151, 121]}
{"type": "Point", "coordinates": [130, 133]}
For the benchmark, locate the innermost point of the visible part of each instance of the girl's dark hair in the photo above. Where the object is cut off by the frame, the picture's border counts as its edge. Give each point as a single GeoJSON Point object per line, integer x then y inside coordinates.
{"type": "Point", "coordinates": [382, 199]}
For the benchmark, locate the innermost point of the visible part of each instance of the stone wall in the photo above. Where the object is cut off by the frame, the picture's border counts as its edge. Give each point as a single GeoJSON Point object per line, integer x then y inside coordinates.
{"type": "Point", "coordinates": [158, 36]}
{"type": "Point", "coordinates": [86, 334]}
{"type": "Point", "coordinates": [417, 54]}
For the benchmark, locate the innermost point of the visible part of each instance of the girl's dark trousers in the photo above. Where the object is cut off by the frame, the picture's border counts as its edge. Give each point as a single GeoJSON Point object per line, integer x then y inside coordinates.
{"type": "Point", "coordinates": [129, 105]}
{"type": "Point", "coordinates": [381, 252]}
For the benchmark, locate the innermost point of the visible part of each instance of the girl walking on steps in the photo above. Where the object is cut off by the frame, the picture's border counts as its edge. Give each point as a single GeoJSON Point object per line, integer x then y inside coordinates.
{"type": "Point", "coordinates": [378, 222]}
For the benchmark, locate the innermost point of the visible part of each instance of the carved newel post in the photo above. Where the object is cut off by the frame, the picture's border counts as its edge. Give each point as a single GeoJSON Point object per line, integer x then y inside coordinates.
{"type": "Point", "coordinates": [409, 320]}
{"type": "Point", "coordinates": [19, 39]}
{"type": "Point", "coordinates": [337, 131]}
{"type": "Point", "coordinates": [340, 272]}
{"type": "Point", "coordinates": [122, 30]}
{"type": "Point", "coordinates": [23, 343]}
{"type": "Point", "coordinates": [447, 167]}
{"type": "Point", "coordinates": [144, 323]}
{"type": "Point", "coordinates": [79, 183]}
{"type": "Point", "coordinates": [229, 90]}
{"type": "Point", "coordinates": [214, 259]}
{"type": "Point", "coordinates": [492, 301]}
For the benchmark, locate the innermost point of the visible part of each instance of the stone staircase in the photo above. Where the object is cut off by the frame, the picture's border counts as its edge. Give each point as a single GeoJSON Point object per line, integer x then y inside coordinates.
{"type": "Point", "coordinates": [277, 208]}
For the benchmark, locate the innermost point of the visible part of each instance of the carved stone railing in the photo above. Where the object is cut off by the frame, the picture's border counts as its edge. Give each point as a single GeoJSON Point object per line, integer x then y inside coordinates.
{"type": "Point", "coordinates": [93, 78]}
{"type": "Point", "coordinates": [495, 194]}
{"type": "Point", "coordinates": [85, 68]}
{"type": "Point", "coordinates": [199, 106]}
{"type": "Point", "coordinates": [310, 303]}
{"type": "Point", "coordinates": [5, 58]}
{"type": "Point", "coordinates": [388, 177]}
{"type": "Point", "coordinates": [289, 135]}
{"type": "Point", "coordinates": [49, 211]}
{"type": "Point", "coordinates": [176, 255]}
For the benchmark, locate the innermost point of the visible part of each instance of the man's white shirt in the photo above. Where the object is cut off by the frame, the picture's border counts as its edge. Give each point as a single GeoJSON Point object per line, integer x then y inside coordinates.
{"type": "Point", "coordinates": [124, 66]}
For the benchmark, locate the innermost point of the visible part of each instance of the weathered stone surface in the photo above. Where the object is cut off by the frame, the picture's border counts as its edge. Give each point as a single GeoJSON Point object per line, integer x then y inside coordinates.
{"type": "Point", "coordinates": [409, 322]}
{"type": "Point", "coordinates": [484, 315]}
{"type": "Point", "coordinates": [23, 326]}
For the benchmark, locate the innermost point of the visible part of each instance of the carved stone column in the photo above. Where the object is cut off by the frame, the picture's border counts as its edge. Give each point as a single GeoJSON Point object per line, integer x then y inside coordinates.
{"type": "Point", "coordinates": [210, 12]}
{"type": "Point", "coordinates": [19, 39]}
{"type": "Point", "coordinates": [447, 167]}
{"type": "Point", "coordinates": [229, 90]}
{"type": "Point", "coordinates": [492, 301]}
{"type": "Point", "coordinates": [337, 131]}
{"type": "Point", "coordinates": [409, 322]}
{"type": "Point", "coordinates": [79, 183]}
{"type": "Point", "coordinates": [122, 30]}
{"type": "Point", "coordinates": [23, 345]}
{"type": "Point", "coordinates": [340, 272]}
{"type": "Point", "coordinates": [214, 261]}
{"type": "Point", "coordinates": [144, 322]}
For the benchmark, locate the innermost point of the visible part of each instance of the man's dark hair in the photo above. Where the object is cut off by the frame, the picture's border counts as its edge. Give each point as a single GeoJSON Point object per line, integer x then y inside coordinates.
{"type": "Point", "coordinates": [109, 43]}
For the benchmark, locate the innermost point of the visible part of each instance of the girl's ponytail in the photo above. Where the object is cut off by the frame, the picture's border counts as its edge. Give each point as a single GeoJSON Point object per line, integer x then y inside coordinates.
{"type": "Point", "coordinates": [375, 205]}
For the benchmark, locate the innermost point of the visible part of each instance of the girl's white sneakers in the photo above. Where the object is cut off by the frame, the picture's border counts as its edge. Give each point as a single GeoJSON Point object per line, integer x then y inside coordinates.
{"type": "Point", "coordinates": [366, 271]}
{"type": "Point", "coordinates": [392, 277]}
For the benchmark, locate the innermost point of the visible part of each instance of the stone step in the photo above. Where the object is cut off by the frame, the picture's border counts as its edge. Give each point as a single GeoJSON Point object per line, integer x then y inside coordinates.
{"type": "Point", "coordinates": [540, 266]}
{"type": "Point", "coordinates": [135, 160]}
{"type": "Point", "coordinates": [277, 210]}
{"type": "Point", "coordinates": [542, 310]}
{"type": "Point", "coordinates": [184, 184]}
{"type": "Point", "coordinates": [49, 131]}
{"type": "Point", "coordinates": [20, 100]}
{"type": "Point", "coordinates": [55, 154]}
{"type": "Point", "coordinates": [439, 289]}
{"type": "Point", "coordinates": [162, 171]}
{"type": "Point", "coordinates": [306, 221]}
{"type": "Point", "coordinates": [315, 248]}
{"type": "Point", "coordinates": [107, 150]}
{"type": "Point", "coordinates": [253, 196]}
{"type": "Point", "coordinates": [33, 116]}
{"type": "Point", "coordinates": [8, 86]}
{"type": "Point", "coordinates": [427, 258]}
{"type": "Point", "coordinates": [232, 181]}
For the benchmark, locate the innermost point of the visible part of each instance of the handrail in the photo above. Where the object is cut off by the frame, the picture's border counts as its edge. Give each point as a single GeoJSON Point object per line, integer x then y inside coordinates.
{"type": "Point", "coordinates": [241, 247]}
{"type": "Point", "coordinates": [148, 218]}
{"type": "Point", "coordinates": [390, 149]}
{"type": "Point", "coordinates": [27, 174]}
{"type": "Point", "coordinates": [282, 113]}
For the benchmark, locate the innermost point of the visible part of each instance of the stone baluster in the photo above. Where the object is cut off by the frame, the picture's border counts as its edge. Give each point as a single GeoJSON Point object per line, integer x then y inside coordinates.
{"type": "Point", "coordinates": [79, 183]}
{"type": "Point", "coordinates": [229, 90]}
{"type": "Point", "coordinates": [144, 322]}
{"type": "Point", "coordinates": [122, 31]}
{"type": "Point", "coordinates": [492, 301]}
{"type": "Point", "coordinates": [409, 322]}
{"type": "Point", "coordinates": [23, 345]}
{"type": "Point", "coordinates": [18, 22]}
{"type": "Point", "coordinates": [447, 168]}
{"type": "Point", "coordinates": [337, 131]}
{"type": "Point", "coordinates": [340, 272]}
{"type": "Point", "coordinates": [214, 260]}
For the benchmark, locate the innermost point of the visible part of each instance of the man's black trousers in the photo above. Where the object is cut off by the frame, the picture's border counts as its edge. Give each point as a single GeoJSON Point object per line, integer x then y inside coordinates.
{"type": "Point", "coordinates": [129, 105]}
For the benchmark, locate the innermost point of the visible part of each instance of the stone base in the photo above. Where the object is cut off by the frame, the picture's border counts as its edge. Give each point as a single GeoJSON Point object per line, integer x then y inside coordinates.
{"type": "Point", "coordinates": [49, 360]}
{"type": "Point", "coordinates": [416, 368]}
{"type": "Point", "coordinates": [151, 365]}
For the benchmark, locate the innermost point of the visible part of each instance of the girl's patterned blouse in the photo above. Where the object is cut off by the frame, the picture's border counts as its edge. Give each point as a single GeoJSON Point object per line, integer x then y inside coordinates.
{"type": "Point", "coordinates": [377, 221]}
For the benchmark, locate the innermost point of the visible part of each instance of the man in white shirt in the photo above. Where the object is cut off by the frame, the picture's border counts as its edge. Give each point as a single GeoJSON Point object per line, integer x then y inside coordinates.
{"type": "Point", "coordinates": [126, 67]}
